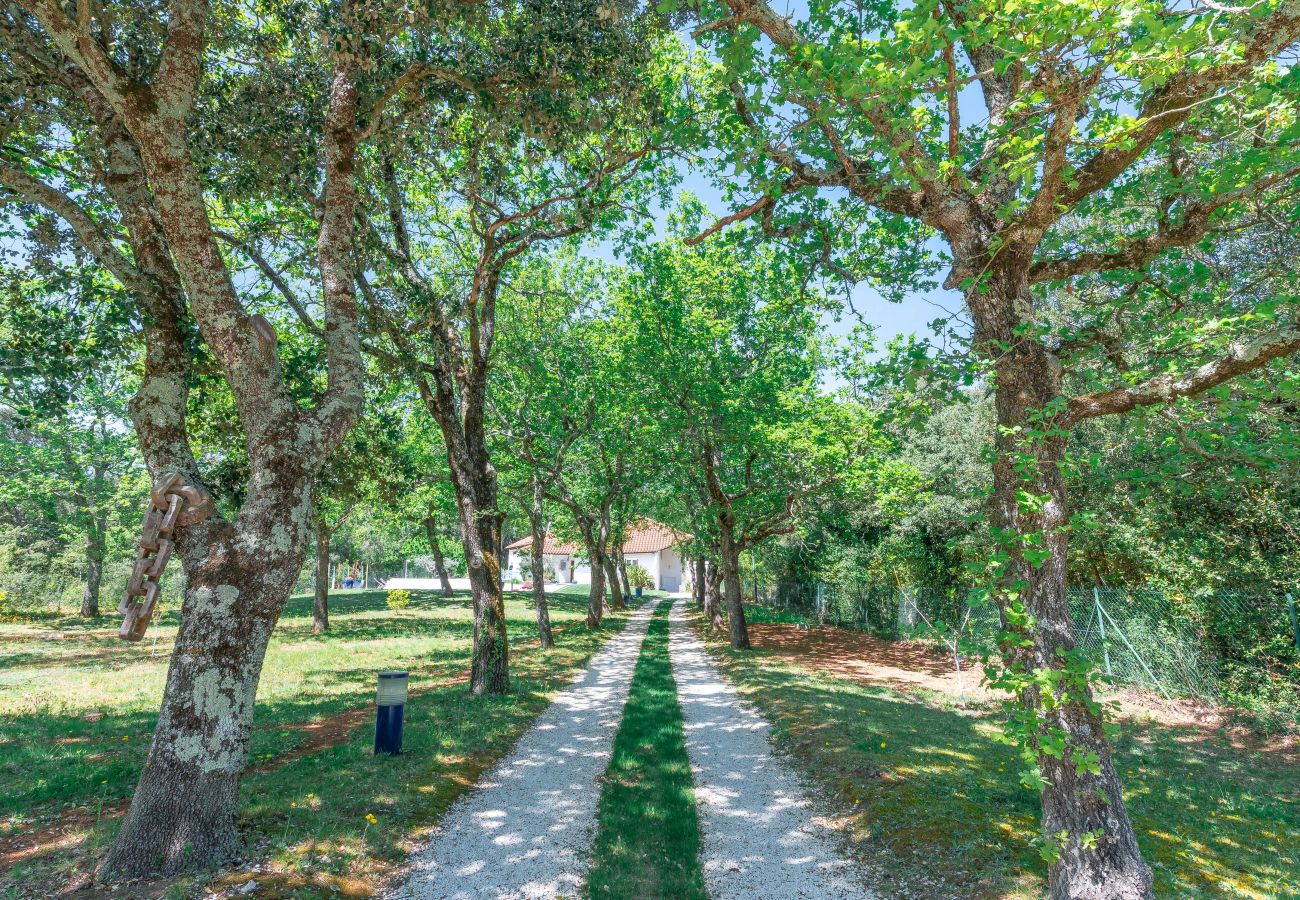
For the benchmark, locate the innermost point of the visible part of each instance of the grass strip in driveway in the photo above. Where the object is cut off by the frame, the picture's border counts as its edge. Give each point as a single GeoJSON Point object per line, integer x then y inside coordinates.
{"type": "Point", "coordinates": [648, 845]}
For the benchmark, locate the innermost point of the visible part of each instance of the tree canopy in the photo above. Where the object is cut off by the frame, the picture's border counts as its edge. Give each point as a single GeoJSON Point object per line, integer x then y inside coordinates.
{"type": "Point", "coordinates": [406, 283]}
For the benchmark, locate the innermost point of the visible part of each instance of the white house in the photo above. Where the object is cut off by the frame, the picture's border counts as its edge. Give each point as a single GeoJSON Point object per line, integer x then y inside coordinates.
{"type": "Point", "coordinates": [557, 557]}
{"type": "Point", "coordinates": [654, 546]}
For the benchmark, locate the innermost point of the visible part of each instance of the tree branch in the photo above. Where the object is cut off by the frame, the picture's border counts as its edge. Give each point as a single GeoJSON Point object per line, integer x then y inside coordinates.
{"type": "Point", "coordinates": [88, 231]}
{"type": "Point", "coordinates": [1180, 96]}
{"type": "Point", "coordinates": [1239, 358]}
{"type": "Point", "coordinates": [1136, 253]}
{"type": "Point", "coordinates": [276, 279]}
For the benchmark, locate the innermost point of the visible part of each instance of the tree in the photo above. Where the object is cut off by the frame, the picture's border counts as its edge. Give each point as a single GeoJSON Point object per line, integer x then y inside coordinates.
{"type": "Point", "coordinates": [64, 446]}
{"type": "Point", "coordinates": [539, 407]}
{"type": "Point", "coordinates": [132, 84]}
{"type": "Point", "coordinates": [727, 339]}
{"type": "Point", "coordinates": [349, 478]}
{"type": "Point", "coordinates": [501, 181]}
{"type": "Point", "coordinates": [1162, 126]}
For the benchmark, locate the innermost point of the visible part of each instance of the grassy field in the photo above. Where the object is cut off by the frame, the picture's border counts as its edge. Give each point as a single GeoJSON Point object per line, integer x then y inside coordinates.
{"type": "Point", "coordinates": [932, 802]}
{"type": "Point", "coordinates": [322, 816]}
{"type": "Point", "coordinates": [648, 844]}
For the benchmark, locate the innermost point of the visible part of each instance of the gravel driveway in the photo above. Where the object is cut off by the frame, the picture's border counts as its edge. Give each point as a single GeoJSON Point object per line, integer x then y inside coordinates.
{"type": "Point", "coordinates": [756, 822]}
{"type": "Point", "coordinates": [525, 830]}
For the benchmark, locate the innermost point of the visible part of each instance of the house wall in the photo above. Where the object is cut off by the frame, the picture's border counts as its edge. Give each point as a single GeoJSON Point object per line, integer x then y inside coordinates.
{"type": "Point", "coordinates": [561, 563]}
{"type": "Point", "coordinates": [647, 561]}
{"type": "Point", "coordinates": [664, 568]}
{"type": "Point", "coordinates": [670, 570]}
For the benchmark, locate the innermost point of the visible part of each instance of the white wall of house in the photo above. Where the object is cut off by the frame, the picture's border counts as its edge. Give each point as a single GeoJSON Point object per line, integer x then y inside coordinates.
{"type": "Point", "coordinates": [664, 568]}
{"type": "Point", "coordinates": [670, 570]}
{"type": "Point", "coordinates": [562, 564]}
{"type": "Point", "coordinates": [647, 561]}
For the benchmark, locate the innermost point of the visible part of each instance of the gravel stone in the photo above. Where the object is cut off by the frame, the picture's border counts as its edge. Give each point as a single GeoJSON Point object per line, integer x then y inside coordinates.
{"type": "Point", "coordinates": [526, 829]}
{"type": "Point", "coordinates": [757, 827]}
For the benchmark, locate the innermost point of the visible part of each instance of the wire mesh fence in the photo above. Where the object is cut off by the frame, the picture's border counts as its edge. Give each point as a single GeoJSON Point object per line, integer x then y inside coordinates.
{"type": "Point", "coordinates": [1170, 643]}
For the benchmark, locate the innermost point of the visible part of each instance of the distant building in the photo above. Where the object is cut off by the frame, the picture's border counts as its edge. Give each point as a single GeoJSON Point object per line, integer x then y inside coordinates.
{"type": "Point", "coordinates": [652, 545]}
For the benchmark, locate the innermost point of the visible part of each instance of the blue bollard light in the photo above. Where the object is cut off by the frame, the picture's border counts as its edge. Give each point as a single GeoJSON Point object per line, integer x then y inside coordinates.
{"type": "Point", "coordinates": [391, 703]}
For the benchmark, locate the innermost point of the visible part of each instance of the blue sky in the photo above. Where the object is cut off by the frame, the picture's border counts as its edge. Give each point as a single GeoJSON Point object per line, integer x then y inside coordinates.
{"type": "Point", "coordinates": [911, 316]}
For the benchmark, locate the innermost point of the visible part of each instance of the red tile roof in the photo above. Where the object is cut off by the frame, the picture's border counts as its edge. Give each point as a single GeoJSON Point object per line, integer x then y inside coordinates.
{"type": "Point", "coordinates": [550, 544]}
{"type": "Point", "coordinates": [646, 536]}
{"type": "Point", "coordinates": [649, 536]}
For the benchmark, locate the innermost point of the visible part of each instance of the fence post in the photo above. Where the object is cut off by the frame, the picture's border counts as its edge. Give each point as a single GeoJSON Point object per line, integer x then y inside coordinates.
{"type": "Point", "coordinates": [1101, 624]}
{"type": "Point", "coordinates": [1123, 637]}
{"type": "Point", "coordinates": [1295, 623]}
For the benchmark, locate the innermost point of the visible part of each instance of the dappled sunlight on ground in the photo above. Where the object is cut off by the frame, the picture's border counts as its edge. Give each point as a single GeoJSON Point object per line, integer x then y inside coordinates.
{"type": "Point", "coordinates": [525, 829]}
{"type": "Point", "coordinates": [77, 708]}
{"type": "Point", "coordinates": [917, 779]}
{"type": "Point", "coordinates": [759, 833]}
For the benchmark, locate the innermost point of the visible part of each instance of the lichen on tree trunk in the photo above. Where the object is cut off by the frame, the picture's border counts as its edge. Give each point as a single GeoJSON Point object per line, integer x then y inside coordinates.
{"type": "Point", "coordinates": [183, 813]}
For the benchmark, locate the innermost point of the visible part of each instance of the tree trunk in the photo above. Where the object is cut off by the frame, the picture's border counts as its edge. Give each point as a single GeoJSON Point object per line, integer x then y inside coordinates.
{"type": "Point", "coordinates": [95, 552]}
{"type": "Point", "coordinates": [596, 597]}
{"type": "Point", "coordinates": [697, 581]}
{"type": "Point", "coordinates": [1083, 807]}
{"type": "Point", "coordinates": [473, 479]}
{"type": "Point", "coordinates": [490, 668]}
{"type": "Point", "coordinates": [730, 553]}
{"type": "Point", "coordinates": [320, 611]}
{"type": "Point", "coordinates": [712, 598]}
{"type": "Point", "coordinates": [183, 813]}
{"type": "Point", "coordinates": [238, 576]}
{"type": "Point", "coordinates": [615, 588]}
{"type": "Point", "coordinates": [623, 579]}
{"type": "Point", "coordinates": [539, 576]}
{"type": "Point", "coordinates": [439, 563]}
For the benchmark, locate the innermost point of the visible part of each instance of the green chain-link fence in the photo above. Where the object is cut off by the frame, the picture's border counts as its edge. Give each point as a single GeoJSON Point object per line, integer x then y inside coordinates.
{"type": "Point", "coordinates": [1199, 646]}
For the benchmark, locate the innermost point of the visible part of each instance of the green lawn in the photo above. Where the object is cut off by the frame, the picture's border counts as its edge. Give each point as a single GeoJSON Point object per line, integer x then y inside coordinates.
{"type": "Point", "coordinates": [648, 844]}
{"type": "Point", "coordinates": [76, 713]}
{"type": "Point", "coordinates": [933, 799]}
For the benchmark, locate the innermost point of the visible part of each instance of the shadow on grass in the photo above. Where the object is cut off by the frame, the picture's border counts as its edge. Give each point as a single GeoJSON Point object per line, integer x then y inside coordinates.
{"type": "Point", "coordinates": [78, 751]}
{"type": "Point", "coordinates": [46, 758]}
{"type": "Point", "coordinates": [451, 738]}
{"type": "Point", "coordinates": [648, 844]}
{"type": "Point", "coordinates": [919, 783]}
{"type": "Point", "coordinates": [915, 783]}
{"type": "Point", "coordinates": [307, 814]}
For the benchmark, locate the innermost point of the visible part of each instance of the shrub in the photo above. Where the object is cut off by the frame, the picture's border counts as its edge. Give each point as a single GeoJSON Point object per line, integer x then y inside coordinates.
{"type": "Point", "coordinates": [638, 576]}
{"type": "Point", "coordinates": [398, 599]}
